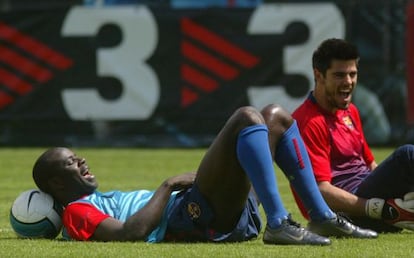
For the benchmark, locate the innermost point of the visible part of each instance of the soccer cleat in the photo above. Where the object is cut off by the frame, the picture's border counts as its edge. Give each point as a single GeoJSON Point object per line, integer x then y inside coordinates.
{"type": "Point", "coordinates": [340, 227]}
{"type": "Point", "coordinates": [291, 233]}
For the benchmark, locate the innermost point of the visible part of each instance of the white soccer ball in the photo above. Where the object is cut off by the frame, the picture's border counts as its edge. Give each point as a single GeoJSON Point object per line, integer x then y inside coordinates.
{"type": "Point", "coordinates": [35, 214]}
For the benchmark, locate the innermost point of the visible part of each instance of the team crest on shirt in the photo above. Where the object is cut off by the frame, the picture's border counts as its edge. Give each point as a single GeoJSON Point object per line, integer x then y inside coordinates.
{"type": "Point", "coordinates": [193, 210]}
{"type": "Point", "coordinates": [348, 122]}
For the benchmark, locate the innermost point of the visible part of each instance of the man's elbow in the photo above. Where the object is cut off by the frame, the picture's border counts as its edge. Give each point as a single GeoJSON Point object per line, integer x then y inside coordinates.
{"type": "Point", "coordinates": [136, 232]}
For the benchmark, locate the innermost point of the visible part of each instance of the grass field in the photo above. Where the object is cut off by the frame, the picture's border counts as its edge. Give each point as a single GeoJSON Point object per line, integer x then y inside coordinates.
{"type": "Point", "coordinates": [128, 169]}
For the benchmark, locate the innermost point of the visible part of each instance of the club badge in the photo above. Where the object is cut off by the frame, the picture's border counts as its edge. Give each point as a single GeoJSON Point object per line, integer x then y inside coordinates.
{"type": "Point", "coordinates": [194, 210]}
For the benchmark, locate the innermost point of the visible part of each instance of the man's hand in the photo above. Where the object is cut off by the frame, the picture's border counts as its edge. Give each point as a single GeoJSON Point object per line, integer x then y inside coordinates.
{"type": "Point", "coordinates": [397, 212]}
{"type": "Point", "coordinates": [181, 182]}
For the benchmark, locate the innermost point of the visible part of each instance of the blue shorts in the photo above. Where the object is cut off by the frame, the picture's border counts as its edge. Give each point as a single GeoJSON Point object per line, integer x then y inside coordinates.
{"type": "Point", "coordinates": [190, 217]}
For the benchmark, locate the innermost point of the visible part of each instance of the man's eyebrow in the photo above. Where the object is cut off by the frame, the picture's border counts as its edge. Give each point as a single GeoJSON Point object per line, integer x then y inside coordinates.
{"type": "Point", "coordinates": [70, 157]}
{"type": "Point", "coordinates": [343, 72]}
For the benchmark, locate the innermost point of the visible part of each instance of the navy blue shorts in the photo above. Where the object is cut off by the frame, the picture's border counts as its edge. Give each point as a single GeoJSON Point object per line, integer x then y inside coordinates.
{"type": "Point", "coordinates": [190, 217]}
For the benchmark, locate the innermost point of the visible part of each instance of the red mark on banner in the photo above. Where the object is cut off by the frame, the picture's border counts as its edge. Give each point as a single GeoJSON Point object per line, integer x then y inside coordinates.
{"type": "Point", "coordinates": [205, 70]}
{"type": "Point", "coordinates": [219, 44]}
{"type": "Point", "coordinates": [208, 61]}
{"type": "Point", "coordinates": [298, 154]}
{"type": "Point", "coordinates": [5, 99]}
{"type": "Point", "coordinates": [188, 96]}
{"type": "Point", "coordinates": [26, 61]}
{"type": "Point", "coordinates": [198, 79]}
{"type": "Point", "coordinates": [34, 47]}
{"type": "Point", "coordinates": [14, 82]}
{"type": "Point", "coordinates": [24, 65]}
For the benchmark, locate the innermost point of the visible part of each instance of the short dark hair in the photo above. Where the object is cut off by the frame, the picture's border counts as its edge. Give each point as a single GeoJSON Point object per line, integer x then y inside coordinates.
{"type": "Point", "coordinates": [42, 169]}
{"type": "Point", "coordinates": [331, 49]}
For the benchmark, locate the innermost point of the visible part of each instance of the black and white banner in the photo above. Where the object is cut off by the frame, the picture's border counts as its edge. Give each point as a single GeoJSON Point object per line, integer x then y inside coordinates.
{"type": "Point", "coordinates": [145, 76]}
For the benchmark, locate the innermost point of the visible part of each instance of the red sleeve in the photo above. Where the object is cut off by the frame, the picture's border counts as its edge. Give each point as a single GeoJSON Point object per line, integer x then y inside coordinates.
{"type": "Point", "coordinates": [81, 220]}
{"type": "Point", "coordinates": [367, 154]}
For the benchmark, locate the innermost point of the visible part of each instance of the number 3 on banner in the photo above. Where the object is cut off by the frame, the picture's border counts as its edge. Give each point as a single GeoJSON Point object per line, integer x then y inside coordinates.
{"type": "Point", "coordinates": [324, 20]}
{"type": "Point", "coordinates": [125, 62]}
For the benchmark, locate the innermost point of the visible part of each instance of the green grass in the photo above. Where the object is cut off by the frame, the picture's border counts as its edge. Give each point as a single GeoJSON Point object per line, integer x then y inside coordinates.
{"type": "Point", "coordinates": [128, 169]}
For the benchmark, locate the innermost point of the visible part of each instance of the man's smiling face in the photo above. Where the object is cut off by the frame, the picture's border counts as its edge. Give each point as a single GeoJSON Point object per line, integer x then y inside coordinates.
{"type": "Point", "coordinates": [338, 84]}
{"type": "Point", "coordinates": [74, 172]}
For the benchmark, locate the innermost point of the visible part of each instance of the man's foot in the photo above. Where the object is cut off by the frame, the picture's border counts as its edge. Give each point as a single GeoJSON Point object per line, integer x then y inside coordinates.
{"type": "Point", "coordinates": [291, 233]}
{"type": "Point", "coordinates": [340, 227]}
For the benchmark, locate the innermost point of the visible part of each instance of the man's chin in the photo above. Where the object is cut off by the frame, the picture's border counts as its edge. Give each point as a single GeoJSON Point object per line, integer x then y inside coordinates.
{"type": "Point", "coordinates": [342, 105]}
{"type": "Point", "coordinates": [91, 188]}
{"type": "Point", "coordinates": [345, 106]}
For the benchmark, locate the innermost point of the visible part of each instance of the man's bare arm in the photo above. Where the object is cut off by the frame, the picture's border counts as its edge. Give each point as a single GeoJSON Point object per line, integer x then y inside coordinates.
{"type": "Point", "coordinates": [142, 223]}
{"type": "Point", "coordinates": [341, 200]}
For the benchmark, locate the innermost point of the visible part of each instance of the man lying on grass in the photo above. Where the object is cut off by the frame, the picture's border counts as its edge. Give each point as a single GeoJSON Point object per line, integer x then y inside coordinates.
{"type": "Point", "coordinates": [215, 204]}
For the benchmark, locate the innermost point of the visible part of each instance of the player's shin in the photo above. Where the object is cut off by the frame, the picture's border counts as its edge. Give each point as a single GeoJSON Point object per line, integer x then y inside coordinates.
{"type": "Point", "coordinates": [292, 157]}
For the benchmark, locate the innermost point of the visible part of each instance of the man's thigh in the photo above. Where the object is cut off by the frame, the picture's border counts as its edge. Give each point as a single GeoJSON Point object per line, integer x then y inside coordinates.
{"type": "Point", "coordinates": [393, 177]}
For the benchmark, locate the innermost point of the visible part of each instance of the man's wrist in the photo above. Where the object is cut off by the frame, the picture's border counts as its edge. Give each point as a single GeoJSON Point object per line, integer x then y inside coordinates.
{"type": "Point", "coordinates": [373, 207]}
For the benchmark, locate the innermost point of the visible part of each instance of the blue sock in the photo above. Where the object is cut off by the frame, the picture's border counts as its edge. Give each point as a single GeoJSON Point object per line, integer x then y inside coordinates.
{"type": "Point", "coordinates": [291, 156]}
{"type": "Point", "coordinates": [255, 158]}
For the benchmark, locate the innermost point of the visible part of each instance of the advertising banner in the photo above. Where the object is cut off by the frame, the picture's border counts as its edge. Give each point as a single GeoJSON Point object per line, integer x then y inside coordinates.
{"type": "Point", "coordinates": [135, 75]}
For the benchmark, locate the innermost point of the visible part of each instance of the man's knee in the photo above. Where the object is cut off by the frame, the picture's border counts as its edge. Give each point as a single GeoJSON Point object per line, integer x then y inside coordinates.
{"type": "Point", "coordinates": [406, 153]}
{"type": "Point", "coordinates": [248, 115]}
{"type": "Point", "coordinates": [276, 115]}
{"type": "Point", "coordinates": [406, 148]}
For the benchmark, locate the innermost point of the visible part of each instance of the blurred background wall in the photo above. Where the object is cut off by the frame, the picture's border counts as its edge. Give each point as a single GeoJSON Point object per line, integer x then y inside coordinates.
{"type": "Point", "coordinates": [169, 73]}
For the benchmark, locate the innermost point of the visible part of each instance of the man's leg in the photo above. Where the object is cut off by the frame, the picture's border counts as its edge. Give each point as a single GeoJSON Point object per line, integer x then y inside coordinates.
{"type": "Point", "coordinates": [241, 154]}
{"type": "Point", "coordinates": [220, 177]}
{"type": "Point", "coordinates": [254, 155]}
{"type": "Point", "coordinates": [393, 178]}
{"type": "Point", "coordinates": [291, 156]}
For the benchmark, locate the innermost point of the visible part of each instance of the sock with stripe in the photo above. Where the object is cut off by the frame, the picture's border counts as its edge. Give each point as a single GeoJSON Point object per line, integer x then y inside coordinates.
{"type": "Point", "coordinates": [292, 157]}
{"type": "Point", "coordinates": [255, 158]}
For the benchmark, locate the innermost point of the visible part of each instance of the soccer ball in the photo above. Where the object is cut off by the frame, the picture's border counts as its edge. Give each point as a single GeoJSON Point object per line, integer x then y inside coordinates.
{"type": "Point", "coordinates": [35, 214]}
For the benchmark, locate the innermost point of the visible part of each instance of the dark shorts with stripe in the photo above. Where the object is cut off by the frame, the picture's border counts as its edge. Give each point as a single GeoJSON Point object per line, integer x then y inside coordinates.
{"type": "Point", "coordinates": [190, 217]}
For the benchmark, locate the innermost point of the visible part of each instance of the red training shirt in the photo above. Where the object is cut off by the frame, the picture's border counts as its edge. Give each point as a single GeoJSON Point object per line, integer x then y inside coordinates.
{"type": "Point", "coordinates": [336, 144]}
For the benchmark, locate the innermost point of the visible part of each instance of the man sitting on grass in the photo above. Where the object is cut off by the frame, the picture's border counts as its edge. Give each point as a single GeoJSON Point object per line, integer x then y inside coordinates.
{"type": "Point", "coordinates": [214, 204]}
{"type": "Point", "coordinates": [375, 196]}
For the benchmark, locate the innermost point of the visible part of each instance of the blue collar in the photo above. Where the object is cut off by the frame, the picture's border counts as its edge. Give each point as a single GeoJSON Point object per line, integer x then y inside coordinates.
{"type": "Point", "coordinates": [312, 98]}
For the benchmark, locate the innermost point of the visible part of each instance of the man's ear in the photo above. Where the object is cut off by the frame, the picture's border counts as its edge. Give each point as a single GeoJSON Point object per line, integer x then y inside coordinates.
{"type": "Point", "coordinates": [317, 74]}
{"type": "Point", "coordinates": [319, 77]}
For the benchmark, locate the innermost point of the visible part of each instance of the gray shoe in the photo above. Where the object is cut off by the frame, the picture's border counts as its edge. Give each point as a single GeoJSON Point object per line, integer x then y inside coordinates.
{"type": "Point", "coordinates": [340, 227]}
{"type": "Point", "coordinates": [291, 233]}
